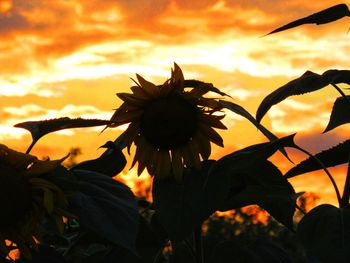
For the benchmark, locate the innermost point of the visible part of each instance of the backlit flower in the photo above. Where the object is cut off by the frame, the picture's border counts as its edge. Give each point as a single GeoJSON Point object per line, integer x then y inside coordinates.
{"type": "Point", "coordinates": [171, 124]}
{"type": "Point", "coordinates": [26, 198]}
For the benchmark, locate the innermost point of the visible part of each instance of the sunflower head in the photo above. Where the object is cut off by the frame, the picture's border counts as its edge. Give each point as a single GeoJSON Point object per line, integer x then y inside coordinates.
{"type": "Point", "coordinates": [26, 197]}
{"type": "Point", "coordinates": [171, 125]}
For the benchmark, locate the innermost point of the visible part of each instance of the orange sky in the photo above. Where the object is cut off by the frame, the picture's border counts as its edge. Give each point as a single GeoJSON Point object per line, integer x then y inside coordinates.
{"type": "Point", "coordinates": [70, 57]}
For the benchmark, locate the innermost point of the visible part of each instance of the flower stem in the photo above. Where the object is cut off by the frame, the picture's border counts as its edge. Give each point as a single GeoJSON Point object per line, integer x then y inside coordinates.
{"type": "Point", "coordinates": [198, 242]}
{"type": "Point", "coordinates": [341, 93]}
{"type": "Point", "coordinates": [346, 193]}
{"type": "Point", "coordinates": [326, 171]}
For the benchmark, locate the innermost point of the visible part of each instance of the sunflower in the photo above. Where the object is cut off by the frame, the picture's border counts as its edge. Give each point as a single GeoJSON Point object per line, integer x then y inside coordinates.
{"type": "Point", "coordinates": [171, 125]}
{"type": "Point", "coordinates": [26, 198]}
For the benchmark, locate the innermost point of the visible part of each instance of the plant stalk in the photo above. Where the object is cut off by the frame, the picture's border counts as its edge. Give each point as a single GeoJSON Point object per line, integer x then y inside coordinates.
{"type": "Point", "coordinates": [341, 93]}
{"type": "Point", "coordinates": [326, 171]}
{"type": "Point", "coordinates": [346, 193]}
{"type": "Point", "coordinates": [198, 243]}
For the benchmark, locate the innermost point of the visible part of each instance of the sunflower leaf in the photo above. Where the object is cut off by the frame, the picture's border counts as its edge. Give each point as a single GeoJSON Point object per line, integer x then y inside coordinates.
{"type": "Point", "coordinates": [181, 208]}
{"type": "Point", "coordinates": [110, 163]}
{"type": "Point", "coordinates": [323, 17]}
{"type": "Point", "coordinates": [244, 113]}
{"type": "Point", "coordinates": [325, 233]}
{"type": "Point", "coordinates": [340, 113]}
{"type": "Point", "coordinates": [220, 185]}
{"type": "Point", "coordinates": [106, 207]}
{"type": "Point", "coordinates": [336, 155]}
{"type": "Point", "coordinates": [306, 83]}
{"type": "Point", "coordinates": [263, 185]}
{"type": "Point", "coordinates": [40, 128]}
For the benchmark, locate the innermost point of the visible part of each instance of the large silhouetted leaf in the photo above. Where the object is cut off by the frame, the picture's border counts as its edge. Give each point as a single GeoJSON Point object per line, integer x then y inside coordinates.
{"type": "Point", "coordinates": [325, 233]}
{"type": "Point", "coordinates": [106, 207]}
{"type": "Point", "coordinates": [110, 163]}
{"type": "Point", "coordinates": [244, 113]}
{"type": "Point", "coordinates": [308, 82]}
{"type": "Point", "coordinates": [336, 76]}
{"type": "Point", "coordinates": [40, 128]}
{"type": "Point", "coordinates": [340, 113]}
{"type": "Point", "coordinates": [323, 17]}
{"type": "Point", "coordinates": [264, 185]}
{"type": "Point", "coordinates": [218, 182]}
{"type": "Point", "coordinates": [182, 207]}
{"type": "Point", "coordinates": [244, 177]}
{"type": "Point", "coordinates": [331, 157]}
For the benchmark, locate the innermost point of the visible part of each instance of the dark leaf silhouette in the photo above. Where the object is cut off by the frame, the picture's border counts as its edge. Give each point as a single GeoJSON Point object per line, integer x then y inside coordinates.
{"type": "Point", "coordinates": [110, 163]}
{"type": "Point", "coordinates": [182, 207]}
{"type": "Point", "coordinates": [323, 17]}
{"type": "Point", "coordinates": [340, 113]}
{"type": "Point", "coordinates": [263, 185]}
{"type": "Point", "coordinates": [244, 113]}
{"type": "Point", "coordinates": [306, 83]}
{"type": "Point", "coordinates": [244, 177]}
{"type": "Point", "coordinates": [40, 128]}
{"type": "Point", "coordinates": [331, 157]}
{"type": "Point", "coordinates": [106, 207]}
{"type": "Point", "coordinates": [325, 233]}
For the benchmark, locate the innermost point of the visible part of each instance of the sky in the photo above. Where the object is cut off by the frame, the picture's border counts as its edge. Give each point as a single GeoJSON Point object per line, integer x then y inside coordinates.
{"type": "Point", "coordinates": [70, 57]}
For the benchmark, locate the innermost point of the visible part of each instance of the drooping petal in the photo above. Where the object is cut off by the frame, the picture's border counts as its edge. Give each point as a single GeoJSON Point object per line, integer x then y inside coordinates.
{"type": "Point", "coordinates": [203, 144]}
{"type": "Point", "coordinates": [131, 99]}
{"type": "Point", "coordinates": [213, 121]}
{"type": "Point", "coordinates": [212, 134]}
{"type": "Point", "coordinates": [177, 165]}
{"type": "Point", "coordinates": [163, 169]}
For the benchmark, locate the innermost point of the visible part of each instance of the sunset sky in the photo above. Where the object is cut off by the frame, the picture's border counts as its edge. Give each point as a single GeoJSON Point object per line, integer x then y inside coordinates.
{"type": "Point", "coordinates": [70, 57]}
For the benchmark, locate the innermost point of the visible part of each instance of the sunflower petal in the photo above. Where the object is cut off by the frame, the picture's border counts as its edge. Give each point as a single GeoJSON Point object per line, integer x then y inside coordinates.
{"type": "Point", "coordinates": [137, 157]}
{"type": "Point", "coordinates": [177, 75]}
{"type": "Point", "coordinates": [211, 134]}
{"type": "Point", "coordinates": [148, 87]}
{"type": "Point", "coordinates": [196, 162]}
{"type": "Point", "coordinates": [163, 165]}
{"type": "Point", "coordinates": [177, 165]}
{"type": "Point", "coordinates": [186, 155]}
{"type": "Point", "coordinates": [127, 117]}
{"type": "Point", "coordinates": [147, 152]}
{"type": "Point", "coordinates": [213, 121]}
{"type": "Point", "coordinates": [210, 103]}
{"type": "Point", "coordinates": [131, 99]}
{"type": "Point", "coordinates": [204, 147]}
{"type": "Point", "coordinates": [139, 92]}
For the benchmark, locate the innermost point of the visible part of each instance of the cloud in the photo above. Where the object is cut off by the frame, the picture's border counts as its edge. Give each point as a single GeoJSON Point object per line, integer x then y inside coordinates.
{"type": "Point", "coordinates": [292, 116]}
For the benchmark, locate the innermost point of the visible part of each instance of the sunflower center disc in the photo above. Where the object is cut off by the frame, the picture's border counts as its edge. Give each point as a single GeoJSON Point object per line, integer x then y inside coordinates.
{"type": "Point", "coordinates": [169, 122]}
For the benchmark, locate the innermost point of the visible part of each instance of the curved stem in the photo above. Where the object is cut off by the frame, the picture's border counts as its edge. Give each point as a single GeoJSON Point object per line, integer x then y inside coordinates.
{"type": "Point", "coordinates": [326, 171]}
{"type": "Point", "coordinates": [31, 146]}
{"type": "Point", "coordinates": [346, 192]}
{"type": "Point", "coordinates": [341, 93]}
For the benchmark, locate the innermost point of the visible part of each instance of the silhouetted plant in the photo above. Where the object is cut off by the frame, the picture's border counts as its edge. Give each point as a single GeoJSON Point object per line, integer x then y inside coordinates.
{"type": "Point", "coordinates": [172, 126]}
